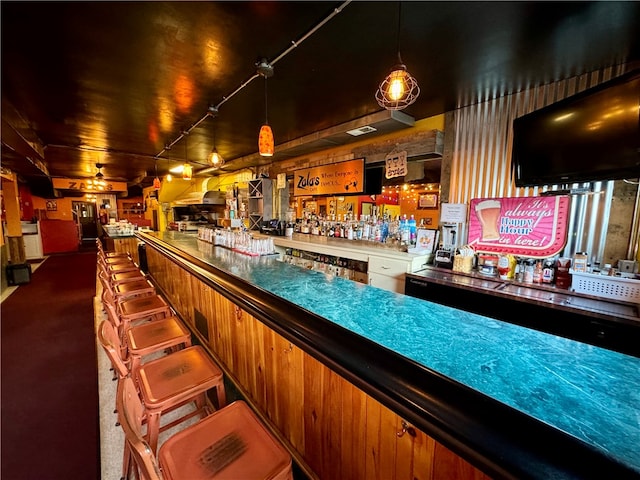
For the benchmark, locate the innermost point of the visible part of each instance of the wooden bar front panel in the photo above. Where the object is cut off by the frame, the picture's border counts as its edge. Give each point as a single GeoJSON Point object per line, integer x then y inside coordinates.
{"type": "Point", "coordinates": [337, 429]}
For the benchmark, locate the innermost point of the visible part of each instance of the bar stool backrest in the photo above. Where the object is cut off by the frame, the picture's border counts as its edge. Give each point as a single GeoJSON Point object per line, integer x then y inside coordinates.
{"type": "Point", "coordinates": [130, 405]}
{"type": "Point", "coordinates": [108, 294]}
{"type": "Point", "coordinates": [110, 341]}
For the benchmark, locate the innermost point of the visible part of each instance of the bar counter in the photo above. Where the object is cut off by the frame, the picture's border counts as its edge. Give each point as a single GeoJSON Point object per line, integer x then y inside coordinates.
{"type": "Point", "coordinates": [599, 321]}
{"type": "Point", "coordinates": [513, 401]}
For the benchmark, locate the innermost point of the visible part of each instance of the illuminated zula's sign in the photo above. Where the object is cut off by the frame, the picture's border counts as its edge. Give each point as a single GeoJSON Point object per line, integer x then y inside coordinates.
{"type": "Point", "coordinates": [88, 185]}
{"type": "Point", "coordinates": [337, 179]}
{"type": "Point", "coordinates": [526, 226]}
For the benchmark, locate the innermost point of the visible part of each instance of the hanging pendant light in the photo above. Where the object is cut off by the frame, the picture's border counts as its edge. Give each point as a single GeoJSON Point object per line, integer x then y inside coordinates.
{"type": "Point", "coordinates": [266, 143]}
{"type": "Point", "coordinates": [187, 171]}
{"type": "Point", "coordinates": [215, 159]}
{"type": "Point", "coordinates": [168, 177]}
{"type": "Point", "coordinates": [156, 181]}
{"type": "Point", "coordinates": [399, 89]}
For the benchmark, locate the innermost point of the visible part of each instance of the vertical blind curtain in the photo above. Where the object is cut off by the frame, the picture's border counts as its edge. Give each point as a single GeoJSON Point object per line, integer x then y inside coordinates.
{"type": "Point", "coordinates": [481, 157]}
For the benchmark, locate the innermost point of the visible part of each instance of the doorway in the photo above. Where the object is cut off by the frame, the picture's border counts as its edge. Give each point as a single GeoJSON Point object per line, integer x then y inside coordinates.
{"type": "Point", "coordinates": [86, 219]}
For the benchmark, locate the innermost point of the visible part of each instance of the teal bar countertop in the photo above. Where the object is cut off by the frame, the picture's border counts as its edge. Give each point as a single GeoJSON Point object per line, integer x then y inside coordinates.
{"type": "Point", "coordinates": [590, 393]}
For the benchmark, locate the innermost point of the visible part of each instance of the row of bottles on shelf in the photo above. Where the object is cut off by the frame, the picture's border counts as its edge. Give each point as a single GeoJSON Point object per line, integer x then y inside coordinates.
{"type": "Point", "coordinates": [355, 270]}
{"type": "Point", "coordinates": [401, 230]}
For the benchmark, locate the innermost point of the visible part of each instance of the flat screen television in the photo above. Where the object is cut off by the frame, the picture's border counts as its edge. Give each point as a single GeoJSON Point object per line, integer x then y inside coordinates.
{"type": "Point", "coordinates": [591, 136]}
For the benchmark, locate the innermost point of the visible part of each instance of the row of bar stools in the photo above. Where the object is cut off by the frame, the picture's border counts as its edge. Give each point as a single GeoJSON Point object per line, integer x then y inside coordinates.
{"type": "Point", "coordinates": [166, 383]}
{"type": "Point", "coordinates": [231, 443]}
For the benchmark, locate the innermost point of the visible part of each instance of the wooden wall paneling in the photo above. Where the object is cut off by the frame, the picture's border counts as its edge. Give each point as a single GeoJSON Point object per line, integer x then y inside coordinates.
{"type": "Point", "coordinates": [354, 422]}
{"type": "Point", "coordinates": [423, 452]}
{"type": "Point", "coordinates": [452, 467]}
{"type": "Point", "coordinates": [127, 245]}
{"type": "Point", "coordinates": [334, 418]}
{"type": "Point", "coordinates": [259, 388]}
{"type": "Point", "coordinates": [271, 375]}
{"type": "Point", "coordinates": [224, 311]}
{"type": "Point", "coordinates": [389, 428]}
{"type": "Point", "coordinates": [372, 440]}
{"type": "Point", "coordinates": [244, 342]}
{"type": "Point", "coordinates": [313, 414]}
{"type": "Point", "coordinates": [289, 389]}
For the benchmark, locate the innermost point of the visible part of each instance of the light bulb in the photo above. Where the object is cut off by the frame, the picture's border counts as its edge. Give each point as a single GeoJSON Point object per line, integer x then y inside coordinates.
{"type": "Point", "coordinates": [215, 159]}
{"type": "Point", "coordinates": [397, 85]}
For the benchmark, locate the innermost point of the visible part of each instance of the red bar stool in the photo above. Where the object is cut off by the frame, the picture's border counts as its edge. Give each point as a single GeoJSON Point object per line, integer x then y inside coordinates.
{"type": "Point", "coordinates": [141, 308]}
{"type": "Point", "coordinates": [119, 268]}
{"type": "Point", "coordinates": [164, 334]}
{"type": "Point", "coordinates": [114, 293]}
{"type": "Point", "coordinates": [128, 290]}
{"type": "Point", "coordinates": [129, 276]}
{"type": "Point", "coordinates": [108, 262]}
{"type": "Point", "coordinates": [167, 382]}
{"type": "Point", "coordinates": [229, 444]}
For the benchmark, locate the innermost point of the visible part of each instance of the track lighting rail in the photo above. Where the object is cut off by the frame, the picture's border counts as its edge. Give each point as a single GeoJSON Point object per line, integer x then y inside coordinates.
{"type": "Point", "coordinates": [212, 111]}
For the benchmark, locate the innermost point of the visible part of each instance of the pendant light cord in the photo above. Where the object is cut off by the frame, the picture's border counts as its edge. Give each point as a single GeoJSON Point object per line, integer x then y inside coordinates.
{"type": "Point", "coordinates": [398, 38]}
{"type": "Point", "coordinates": [266, 116]}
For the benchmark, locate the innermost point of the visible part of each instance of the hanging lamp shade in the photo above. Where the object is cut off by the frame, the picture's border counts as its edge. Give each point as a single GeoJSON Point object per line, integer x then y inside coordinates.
{"type": "Point", "coordinates": [187, 171]}
{"type": "Point", "coordinates": [266, 145]}
{"type": "Point", "coordinates": [168, 177]}
{"type": "Point", "coordinates": [398, 90]}
{"type": "Point", "coordinates": [215, 159]}
{"type": "Point", "coordinates": [156, 181]}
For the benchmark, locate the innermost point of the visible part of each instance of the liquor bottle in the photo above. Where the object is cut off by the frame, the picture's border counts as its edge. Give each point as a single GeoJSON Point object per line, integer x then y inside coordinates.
{"type": "Point", "coordinates": [404, 230]}
{"type": "Point", "coordinates": [412, 230]}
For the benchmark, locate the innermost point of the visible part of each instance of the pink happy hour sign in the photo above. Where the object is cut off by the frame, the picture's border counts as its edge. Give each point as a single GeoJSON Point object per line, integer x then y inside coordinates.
{"type": "Point", "coordinates": [527, 226]}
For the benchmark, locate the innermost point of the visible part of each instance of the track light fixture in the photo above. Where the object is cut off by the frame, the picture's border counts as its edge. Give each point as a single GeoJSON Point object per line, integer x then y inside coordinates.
{"type": "Point", "coordinates": [399, 89]}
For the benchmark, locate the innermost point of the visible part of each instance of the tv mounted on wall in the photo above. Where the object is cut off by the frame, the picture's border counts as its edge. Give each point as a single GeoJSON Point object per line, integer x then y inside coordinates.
{"type": "Point", "coordinates": [591, 136]}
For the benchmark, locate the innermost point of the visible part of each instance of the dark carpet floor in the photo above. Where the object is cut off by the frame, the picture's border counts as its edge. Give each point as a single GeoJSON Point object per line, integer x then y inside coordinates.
{"type": "Point", "coordinates": [49, 397]}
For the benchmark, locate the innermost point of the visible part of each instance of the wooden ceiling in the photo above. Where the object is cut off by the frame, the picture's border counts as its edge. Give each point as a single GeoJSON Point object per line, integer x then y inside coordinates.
{"type": "Point", "coordinates": [115, 83]}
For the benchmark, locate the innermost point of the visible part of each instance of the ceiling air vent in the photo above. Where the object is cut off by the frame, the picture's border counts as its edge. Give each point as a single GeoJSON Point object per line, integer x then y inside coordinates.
{"type": "Point", "coordinates": [361, 131]}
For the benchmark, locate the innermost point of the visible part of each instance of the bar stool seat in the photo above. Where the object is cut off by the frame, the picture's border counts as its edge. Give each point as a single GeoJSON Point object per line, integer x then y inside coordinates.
{"type": "Point", "coordinates": [114, 294]}
{"type": "Point", "coordinates": [127, 290]}
{"type": "Point", "coordinates": [116, 260]}
{"type": "Point", "coordinates": [152, 337]}
{"type": "Point", "coordinates": [120, 267]}
{"type": "Point", "coordinates": [228, 444]}
{"type": "Point", "coordinates": [128, 276]}
{"type": "Point", "coordinates": [104, 254]}
{"type": "Point", "coordinates": [175, 379]}
{"type": "Point", "coordinates": [142, 308]}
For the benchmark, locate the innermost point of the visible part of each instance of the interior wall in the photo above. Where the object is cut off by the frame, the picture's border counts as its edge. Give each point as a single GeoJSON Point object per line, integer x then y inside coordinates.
{"type": "Point", "coordinates": [483, 135]}
{"type": "Point", "coordinates": [477, 154]}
